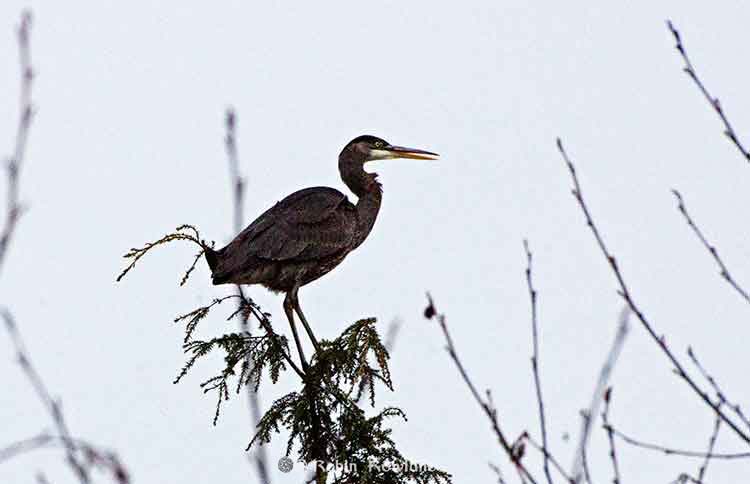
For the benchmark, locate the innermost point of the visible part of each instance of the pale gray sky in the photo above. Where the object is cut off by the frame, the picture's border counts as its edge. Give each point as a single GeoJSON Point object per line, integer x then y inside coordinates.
{"type": "Point", "coordinates": [127, 145]}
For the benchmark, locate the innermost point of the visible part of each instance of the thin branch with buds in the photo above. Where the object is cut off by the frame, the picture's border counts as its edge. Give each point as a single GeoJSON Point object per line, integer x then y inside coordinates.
{"type": "Point", "coordinates": [625, 294]}
{"type": "Point", "coordinates": [610, 436]}
{"type": "Point", "coordinates": [498, 473]}
{"type": "Point", "coordinates": [514, 451]}
{"type": "Point", "coordinates": [713, 101]}
{"type": "Point", "coordinates": [711, 444]}
{"type": "Point", "coordinates": [724, 272]}
{"type": "Point", "coordinates": [555, 463]}
{"type": "Point", "coordinates": [15, 162]}
{"type": "Point", "coordinates": [535, 360]}
{"type": "Point", "coordinates": [676, 452]}
{"type": "Point", "coordinates": [722, 399]}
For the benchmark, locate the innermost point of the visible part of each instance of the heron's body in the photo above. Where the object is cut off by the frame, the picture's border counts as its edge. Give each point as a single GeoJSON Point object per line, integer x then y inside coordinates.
{"type": "Point", "coordinates": [298, 240]}
{"type": "Point", "coordinates": [310, 232]}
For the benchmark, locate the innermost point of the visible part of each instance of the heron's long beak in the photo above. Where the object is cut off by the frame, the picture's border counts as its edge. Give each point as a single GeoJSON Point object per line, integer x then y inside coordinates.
{"type": "Point", "coordinates": [413, 153]}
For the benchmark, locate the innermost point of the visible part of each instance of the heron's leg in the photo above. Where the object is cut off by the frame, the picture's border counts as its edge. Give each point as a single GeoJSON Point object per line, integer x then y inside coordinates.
{"type": "Point", "coordinates": [289, 309]}
{"type": "Point", "coordinates": [295, 301]}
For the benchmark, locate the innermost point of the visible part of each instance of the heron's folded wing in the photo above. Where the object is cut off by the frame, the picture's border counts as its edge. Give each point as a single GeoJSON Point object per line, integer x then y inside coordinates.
{"type": "Point", "coordinates": [310, 224]}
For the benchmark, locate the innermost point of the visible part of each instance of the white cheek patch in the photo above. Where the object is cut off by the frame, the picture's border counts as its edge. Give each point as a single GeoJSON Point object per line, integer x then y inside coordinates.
{"type": "Point", "coordinates": [380, 155]}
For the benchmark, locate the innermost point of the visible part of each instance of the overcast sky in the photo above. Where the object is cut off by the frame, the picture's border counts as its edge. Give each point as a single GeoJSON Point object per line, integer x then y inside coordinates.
{"type": "Point", "coordinates": [127, 144]}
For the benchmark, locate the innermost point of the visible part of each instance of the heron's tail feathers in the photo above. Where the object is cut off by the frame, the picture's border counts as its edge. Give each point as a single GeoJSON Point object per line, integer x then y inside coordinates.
{"type": "Point", "coordinates": [212, 257]}
{"type": "Point", "coordinates": [220, 273]}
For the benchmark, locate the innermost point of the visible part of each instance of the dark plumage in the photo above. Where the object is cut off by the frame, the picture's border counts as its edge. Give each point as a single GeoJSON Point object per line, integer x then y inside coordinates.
{"type": "Point", "coordinates": [310, 232]}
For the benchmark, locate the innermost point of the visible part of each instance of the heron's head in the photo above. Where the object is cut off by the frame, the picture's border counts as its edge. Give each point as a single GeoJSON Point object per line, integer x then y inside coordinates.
{"type": "Point", "coordinates": [370, 148]}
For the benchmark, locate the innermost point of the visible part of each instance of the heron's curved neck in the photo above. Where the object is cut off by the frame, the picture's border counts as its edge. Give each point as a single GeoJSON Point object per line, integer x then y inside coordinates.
{"type": "Point", "coordinates": [368, 190]}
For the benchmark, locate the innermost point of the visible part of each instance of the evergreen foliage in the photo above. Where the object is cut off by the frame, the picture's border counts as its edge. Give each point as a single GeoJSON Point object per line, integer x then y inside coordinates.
{"type": "Point", "coordinates": [323, 420]}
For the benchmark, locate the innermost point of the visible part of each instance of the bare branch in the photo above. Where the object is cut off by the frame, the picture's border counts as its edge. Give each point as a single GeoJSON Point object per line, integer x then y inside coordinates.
{"type": "Point", "coordinates": [713, 101]}
{"type": "Point", "coordinates": [52, 405]}
{"type": "Point", "coordinates": [238, 182]}
{"type": "Point", "coordinates": [584, 455]}
{"type": "Point", "coordinates": [610, 436]}
{"type": "Point", "coordinates": [498, 473]}
{"type": "Point", "coordinates": [678, 452]}
{"type": "Point", "coordinates": [512, 450]}
{"type": "Point", "coordinates": [722, 399]}
{"type": "Point", "coordinates": [392, 334]}
{"type": "Point", "coordinates": [555, 463]}
{"type": "Point", "coordinates": [600, 392]}
{"type": "Point", "coordinates": [15, 162]}
{"type": "Point", "coordinates": [711, 444]}
{"type": "Point", "coordinates": [93, 456]}
{"type": "Point", "coordinates": [238, 185]}
{"type": "Point", "coordinates": [535, 360]}
{"type": "Point", "coordinates": [685, 479]}
{"type": "Point", "coordinates": [625, 294]}
{"type": "Point", "coordinates": [711, 249]}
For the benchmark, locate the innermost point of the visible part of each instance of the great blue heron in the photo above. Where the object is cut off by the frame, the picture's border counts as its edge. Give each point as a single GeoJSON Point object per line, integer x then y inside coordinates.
{"type": "Point", "coordinates": [307, 234]}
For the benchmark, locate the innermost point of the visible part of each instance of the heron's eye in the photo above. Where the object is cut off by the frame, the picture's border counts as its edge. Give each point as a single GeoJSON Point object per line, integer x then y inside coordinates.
{"type": "Point", "coordinates": [378, 144]}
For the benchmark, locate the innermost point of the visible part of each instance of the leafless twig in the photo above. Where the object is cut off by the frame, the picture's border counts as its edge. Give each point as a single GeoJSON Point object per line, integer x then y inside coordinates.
{"type": "Point", "coordinates": [610, 436]}
{"type": "Point", "coordinates": [625, 294]}
{"type": "Point", "coordinates": [15, 162]}
{"type": "Point", "coordinates": [51, 404]}
{"type": "Point", "coordinates": [584, 455]}
{"type": "Point", "coordinates": [555, 463]}
{"type": "Point", "coordinates": [685, 479]}
{"type": "Point", "coordinates": [238, 182]}
{"type": "Point", "coordinates": [511, 449]}
{"type": "Point", "coordinates": [238, 185]}
{"type": "Point", "coordinates": [599, 392]}
{"type": "Point", "coordinates": [711, 249]}
{"type": "Point", "coordinates": [722, 399]}
{"type": "Point", "coordinates": [535, 360]}
{"type": "Point", "coordinates": [678, 452]}
{"type": "Point", "coordinates": [93, 456]}
{"type": "Point", "coordinates": [711, 444]}
{"type": "Point", "coordinates": [497, 472]}
{"type": "Point", "coordinates": [713, 101]}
